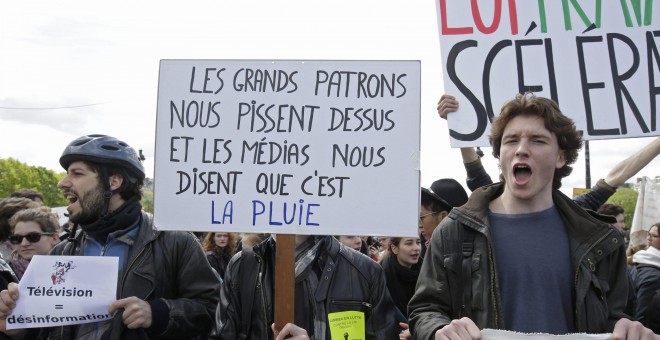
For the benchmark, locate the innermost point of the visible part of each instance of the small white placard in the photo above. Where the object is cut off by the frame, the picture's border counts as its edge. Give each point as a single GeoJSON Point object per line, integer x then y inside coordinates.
{"type": "Point", "coordinates": [494, 334]}
{"type": "Point", "coordinates": [65, 290]}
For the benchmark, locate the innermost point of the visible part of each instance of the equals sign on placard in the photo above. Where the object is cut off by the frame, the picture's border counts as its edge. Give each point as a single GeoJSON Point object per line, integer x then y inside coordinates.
{"type": "Point", "coordinates": [59, 306]}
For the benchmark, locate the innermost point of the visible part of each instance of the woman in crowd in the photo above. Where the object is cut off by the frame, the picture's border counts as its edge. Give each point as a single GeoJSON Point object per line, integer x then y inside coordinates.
{"type": "Point", "coordinates": [35, 231]}
{"type": "Point", "coordinates": [401, 264]}
{"type": "Point", "coordinates": [353, 242]}
{"type": "Point", "coordinates": [219, 249]}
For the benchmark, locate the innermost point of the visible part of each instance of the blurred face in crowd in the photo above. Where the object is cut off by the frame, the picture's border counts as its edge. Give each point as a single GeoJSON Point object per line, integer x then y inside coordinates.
{"type": "Point", "coordinates": [354, 242]}
{"type": "Point", "coordinates": [619, 225]}
{"type": "Point", "coordinates": [81, 186]}
{"type": "Point", "coordinates": [27, 249]}
{"type": "Point", "coordinates": [428, 221]}
{"type": "Point", "coordinates": [384, 243]}
{"type": "Point", "coordinates": [653, 238]}
{"type": "Point", "coordinates": [221, 239]}
{"type": "Point", "coordinates": [408, 250]}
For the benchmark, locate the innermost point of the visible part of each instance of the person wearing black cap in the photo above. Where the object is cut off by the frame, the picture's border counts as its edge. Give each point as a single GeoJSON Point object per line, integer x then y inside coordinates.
{"type": "Point", "coordinates": [436, 203]}
{"type": "Point", "coordinates": [167, 288]}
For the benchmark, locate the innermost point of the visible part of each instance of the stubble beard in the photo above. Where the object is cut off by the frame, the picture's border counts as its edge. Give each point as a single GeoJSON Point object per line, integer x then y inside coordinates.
{"type": "Point", "coordinates": [90, 207]}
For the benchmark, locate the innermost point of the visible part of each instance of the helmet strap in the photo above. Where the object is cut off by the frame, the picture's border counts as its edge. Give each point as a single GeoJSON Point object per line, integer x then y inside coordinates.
{"type": "Point", "coordinates": [107, 193]}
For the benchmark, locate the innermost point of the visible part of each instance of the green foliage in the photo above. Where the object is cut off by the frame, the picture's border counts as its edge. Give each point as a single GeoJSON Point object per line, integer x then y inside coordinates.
{"type": "Point", "coordinates": [15, 175]}
{"type": "Point", "coordinates": [626, 198]}
{"type": "Point", "coordinates": [148, 200]}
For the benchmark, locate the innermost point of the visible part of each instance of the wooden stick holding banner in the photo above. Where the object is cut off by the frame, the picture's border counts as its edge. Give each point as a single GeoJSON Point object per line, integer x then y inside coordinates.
{"type": "Point", "coordinates": [285, 280]}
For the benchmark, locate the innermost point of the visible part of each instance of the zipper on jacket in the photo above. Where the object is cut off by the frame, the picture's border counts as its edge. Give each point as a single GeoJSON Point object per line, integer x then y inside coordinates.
{"type": "Point", "coordinates": [261, 287]}
{"type": "Point", "coordinates": [123, 277]}
{"type": "Point", "coordinates": [351, 303]}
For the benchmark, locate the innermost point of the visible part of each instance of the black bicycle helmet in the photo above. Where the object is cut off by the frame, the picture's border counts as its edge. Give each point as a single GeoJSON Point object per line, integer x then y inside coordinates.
{"type": "Point", "coordinates": [103, 149]}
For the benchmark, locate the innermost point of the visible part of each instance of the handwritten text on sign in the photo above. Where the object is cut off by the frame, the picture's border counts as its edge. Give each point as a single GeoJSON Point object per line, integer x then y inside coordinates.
{"type": "Point", "coordinates": [304, 147]}
{"type": "Point", "coordinates": [600, 60]}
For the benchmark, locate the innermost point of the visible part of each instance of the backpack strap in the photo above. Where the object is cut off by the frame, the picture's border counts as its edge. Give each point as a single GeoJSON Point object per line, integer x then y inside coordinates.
{"type": "Point", "coordinates": [248, 280]}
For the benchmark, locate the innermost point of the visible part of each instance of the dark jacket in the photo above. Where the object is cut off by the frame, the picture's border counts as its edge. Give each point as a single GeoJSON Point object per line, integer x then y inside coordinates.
{"type": "Point", "coordinates": [597, 256]}
{"type": "Point", "coordinates": [646, 284]}
{"type": "Point", "coordinates": [348, 281]}
{"type": "Point", "coordinates": [169, 270]}
{"type": "Point", "coordinates": [219, 261]}
{"type": "Point", "coordinates": [400, 282]}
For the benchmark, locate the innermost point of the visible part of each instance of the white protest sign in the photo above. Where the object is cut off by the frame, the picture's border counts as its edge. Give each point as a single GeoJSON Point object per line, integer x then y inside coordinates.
{"type": "Point", "coordinates": [647, 208]}
{"type": "Point", "coordinates": [65, 290]}
{"type": "Point", "coordinates": [288, 146]}
{"type": "Point", "coordinates": [599, 60]}
{"type": "Point", "coordinates": [496, 334]}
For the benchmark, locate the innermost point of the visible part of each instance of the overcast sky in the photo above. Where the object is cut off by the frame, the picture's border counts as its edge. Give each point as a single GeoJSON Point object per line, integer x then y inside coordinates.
{"type": "Point", "coordinates": [70, 68]}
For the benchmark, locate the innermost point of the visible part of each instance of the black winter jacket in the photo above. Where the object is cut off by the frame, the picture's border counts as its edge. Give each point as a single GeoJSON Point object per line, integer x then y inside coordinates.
{"type": "Point", "coordinates": [167, 269]}
{"type": "Point", "coordinates": [348, 281]}
{"type": "Point", "coordinates": [646, 284]}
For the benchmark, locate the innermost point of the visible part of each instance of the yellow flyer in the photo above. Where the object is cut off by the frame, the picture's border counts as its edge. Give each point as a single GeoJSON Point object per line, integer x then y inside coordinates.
{"type": "Point", "coordinates": [347, 325]}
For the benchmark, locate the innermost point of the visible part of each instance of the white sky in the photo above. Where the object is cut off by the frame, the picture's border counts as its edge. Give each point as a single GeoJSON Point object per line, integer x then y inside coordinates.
{"type": "Point", "coordinates": [74, 53]}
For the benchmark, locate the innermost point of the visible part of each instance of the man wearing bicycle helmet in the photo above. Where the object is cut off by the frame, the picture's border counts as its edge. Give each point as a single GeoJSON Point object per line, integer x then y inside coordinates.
{"type": "Point", "coordinates": [166, 287]}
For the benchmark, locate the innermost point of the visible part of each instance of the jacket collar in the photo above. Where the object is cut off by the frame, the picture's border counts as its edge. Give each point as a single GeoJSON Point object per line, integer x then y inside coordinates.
{"type": "Point", "coordinates": [584, 227]}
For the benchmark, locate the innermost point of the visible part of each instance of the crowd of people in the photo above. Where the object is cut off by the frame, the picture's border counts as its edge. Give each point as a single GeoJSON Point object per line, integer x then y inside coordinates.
{"type": "Point", "coordinates": [515, 255]}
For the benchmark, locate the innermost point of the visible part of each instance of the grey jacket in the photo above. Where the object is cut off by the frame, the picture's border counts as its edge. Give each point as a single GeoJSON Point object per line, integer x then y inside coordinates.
{"type": "Point", "coordinates": [597, 256]}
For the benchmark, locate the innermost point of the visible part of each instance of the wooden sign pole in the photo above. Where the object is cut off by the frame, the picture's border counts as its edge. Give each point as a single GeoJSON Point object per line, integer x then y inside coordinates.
{"type": "Point", "coordinates": [284, 279]}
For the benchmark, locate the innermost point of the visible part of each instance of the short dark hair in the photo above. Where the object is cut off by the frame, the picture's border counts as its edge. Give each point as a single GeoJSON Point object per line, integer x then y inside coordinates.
{"type": "Point", "coordinates": [129, 188]}
{"type": "Point", "coordinates": [610, 209]}
{"type": "Point", "coordinates": [527, 104]}
{"type": "Point", "coordinates": [27, 193]}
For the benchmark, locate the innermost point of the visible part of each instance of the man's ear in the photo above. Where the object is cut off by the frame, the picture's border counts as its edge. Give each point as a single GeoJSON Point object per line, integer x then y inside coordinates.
{"type": "Point", "coordinates": [561, 159]}
{"type": "Point", "coordinates": [115, 182]}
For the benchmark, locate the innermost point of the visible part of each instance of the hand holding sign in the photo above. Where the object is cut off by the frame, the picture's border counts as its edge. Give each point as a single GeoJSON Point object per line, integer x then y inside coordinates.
{"type": "Point", "coordinates": [290, 331]}
{"type": "Point", "coordinates": [61, 290]}
{"type": "Point", "coordinates": [8, 299]}
{"type": "Point", "coordinates": [136, 312]}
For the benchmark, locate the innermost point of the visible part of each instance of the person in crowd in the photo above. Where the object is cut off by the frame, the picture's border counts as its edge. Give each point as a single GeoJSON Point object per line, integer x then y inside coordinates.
{"type": "Point", "coordinates": [638, 241]}
{"type": "Point", "coordinates": [520, 255]}
{"type": "Point", "coordinates": [436, 203]}
{"type": "Point", "coordinates": [8, 207]}
{"type": "Point", "coordinates": [34, 232]}
{"type": "Point", "coordinates": [401, 265]}
{"type": "Point", "coordinates": [645, 277]}
{"type": "Point", "coordinates": [168, 289]}
{"type": "Point", "coordinates": [330, 278]}
{"type": "Point", "coordinates": [615, 211]}
{"type": "Point", "coordinates": [599, 193]}
{"type": "Point", "coordinates": [383, 246]}
{"type": "Point", "coordinates": [249, 240]}
{"type": "Point", "coordinates": [29, 193]}
{"type": "Point", "coordinates": [370, 247]}
{"type": "Point", "coordinates": [219, 249]}
{"type": "Point", "coordinates": [351, 241]}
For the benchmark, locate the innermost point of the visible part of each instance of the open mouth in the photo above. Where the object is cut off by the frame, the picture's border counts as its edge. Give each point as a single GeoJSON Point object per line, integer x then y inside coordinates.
{"type": "Point", "coordinates": [522, 173]}
{"type": "Point", "coordinates": [71, 197]}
